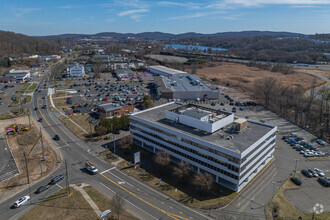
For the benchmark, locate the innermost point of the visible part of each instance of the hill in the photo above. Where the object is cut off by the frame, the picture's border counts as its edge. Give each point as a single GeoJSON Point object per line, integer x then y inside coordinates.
{"type": "Point", "coordinates": [168, 36]}
{"type": "Point", "coordinates": [18, 44]}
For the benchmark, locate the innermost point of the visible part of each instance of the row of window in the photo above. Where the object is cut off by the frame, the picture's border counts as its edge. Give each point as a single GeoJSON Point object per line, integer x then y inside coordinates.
{"type": "Point", "coordinates": [185, 155]}
{"type": "Point", "coordinates": [255, 156]}
{"type": "Point", "coordinates": [230, 158]}
{"type": "Point", "coordinates": [229, 166]}
{"type": "Point", "coordinates": [257, 148]}
{"type": "Point", "coordinates": [253, 166]}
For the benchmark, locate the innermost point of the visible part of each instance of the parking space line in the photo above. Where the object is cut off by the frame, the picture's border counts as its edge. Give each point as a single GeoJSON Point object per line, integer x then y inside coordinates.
{"type": "Point", "coordinates": [108, 170]}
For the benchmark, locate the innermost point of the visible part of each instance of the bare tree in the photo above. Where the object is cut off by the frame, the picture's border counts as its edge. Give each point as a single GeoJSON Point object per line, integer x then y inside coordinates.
{"type": "Point", "coordinates": [265, 87]}
{"type": "Point", "coordinates": [203, 182]}
{"type": "Point", "coordinates": [182, 171]}
{"type": "Point", "coordinates": [162, 158]}
{"type": "Point", "coordinates": [118, 204]}
{"type": "Point", "coordinates": [126, 143]}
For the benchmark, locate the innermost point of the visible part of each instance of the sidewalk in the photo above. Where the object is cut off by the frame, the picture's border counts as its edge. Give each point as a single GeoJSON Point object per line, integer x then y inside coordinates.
{"type": "Point", "coordinates": [88, 198]}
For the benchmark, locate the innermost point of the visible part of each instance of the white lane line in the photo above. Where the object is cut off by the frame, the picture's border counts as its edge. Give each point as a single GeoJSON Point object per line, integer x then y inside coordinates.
{"type": "Point", "coordinates": [121, 179]}
{"type": "Point", "coordinates": [181, 212]}
{"type": "Point", "coordinates": [171, 207]}
{"type": "Point", "coordinates": [129, 202]}
{"type": "Point", "coordinates": [138, 189]}
{"type": "Point", "coordinates": [59, 186]}
{"type": "Point", "coordinates": [162, 203]}
{"type": "Point", "coordinates": [108, 170]}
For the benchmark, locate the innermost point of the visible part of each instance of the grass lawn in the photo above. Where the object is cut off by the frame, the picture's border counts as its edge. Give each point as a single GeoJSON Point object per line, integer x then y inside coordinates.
{"type": "Point", "coordinates": [286, 210]}
{"type": "Point", "coordinates": [80, 120]}
{"type": "Point", "coordinates": [32, 87]}
{"type": "Point", "coordinates": [15, 103]}
{"type": "Point", "coordinates": [62, 206]}
{"type": "Point", "coordinates": [23, 88]}
{"type": "Point", "coordinates": [5, 116]}
{"type": "Point", "coordinates": [105, 203]}
{"type": "Point", "coordinates": [27, 99]}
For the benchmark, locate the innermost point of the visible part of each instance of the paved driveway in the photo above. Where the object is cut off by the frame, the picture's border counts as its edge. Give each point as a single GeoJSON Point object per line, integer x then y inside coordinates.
{"type": "Point", "coordinates": [8, 166]}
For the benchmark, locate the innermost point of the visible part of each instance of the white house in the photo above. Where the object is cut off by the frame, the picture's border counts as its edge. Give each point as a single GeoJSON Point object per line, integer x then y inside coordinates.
{"type": "Point", "coordinates": [19, 75]}
{"type": "Point", "coordinates": [76, 70]}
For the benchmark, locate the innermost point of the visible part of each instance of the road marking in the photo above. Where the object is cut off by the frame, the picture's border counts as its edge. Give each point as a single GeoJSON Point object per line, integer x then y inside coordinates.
{"type": "Point", "coordinates": [120, 179]}
{"type": "Point", "coordinates": [176, 217]}
{"type": "Point", "coordinates": [171, 207]}
{"type": "Point", "coordinates": [59, 186]}
{"type": "Point", "coordinates": [181, 212]}
{"type": "Point", "coordinates": [138, 189]}
{"type": "Point", "coordinates": [162, 203]}
{"type": "Point", "coordinates": [121, 183]}
{"type": "Point", "coordinates": [130, 202]}
{"type": "Point", "coordinates": [108, 170]}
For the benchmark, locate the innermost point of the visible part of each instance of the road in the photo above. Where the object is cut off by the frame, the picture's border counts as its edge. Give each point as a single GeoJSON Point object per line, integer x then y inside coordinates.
{"type": "Point", "coordinates": [141, 200]}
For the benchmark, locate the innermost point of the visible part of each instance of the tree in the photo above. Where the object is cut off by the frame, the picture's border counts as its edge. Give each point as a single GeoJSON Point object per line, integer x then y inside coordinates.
{"type": "Point", "coordinates": [100, 130]}
{"type": "Point", "coordinates": [162, 158]}
{"type": "Point", "coordinates": [147, 103]}
{"type": "Point", "coordinates": [265, 87]}
{"type": "Point", "coordinates": [126, 143]}
{"type": "Point", "coordinates": [203, 182]}
{"type": "Point", "coordinates": [118, 205]}
{"type": "Point", "coordinates": [182, 171]}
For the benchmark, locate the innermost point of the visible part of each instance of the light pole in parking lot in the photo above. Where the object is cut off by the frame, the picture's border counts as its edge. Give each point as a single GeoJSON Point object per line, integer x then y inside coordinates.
{"type": "Point", "coordinates": [295, 167]}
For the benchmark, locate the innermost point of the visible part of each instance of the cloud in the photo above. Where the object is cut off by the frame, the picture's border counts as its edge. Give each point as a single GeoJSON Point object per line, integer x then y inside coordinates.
{"type": "Point", "coordinates": [256, 3]}
{"type": "Point", "coordinates": [20, 12]}
{"type": "Point", "coordinates": [189, 5]}
{"type": "Point", "coordinates": [131, 12]}
{"type": "Point", "coordinates": [132, 3]}
{"type": "Point", "coordinates": [195, 15]}
{"type": "Point", "coordinates": [109, 20]}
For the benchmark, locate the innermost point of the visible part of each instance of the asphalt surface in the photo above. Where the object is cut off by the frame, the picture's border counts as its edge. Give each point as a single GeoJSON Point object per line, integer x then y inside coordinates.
{"type": "Point", "coordinates": [8, 166]}
{"type": "Point", "coordinates": [141, 200]}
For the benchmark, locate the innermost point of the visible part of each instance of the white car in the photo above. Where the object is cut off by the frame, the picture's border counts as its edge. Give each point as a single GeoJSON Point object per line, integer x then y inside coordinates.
{"type": "Point", "coordinates": [319, 172]}
{"type": "Point", "coordinates": [21, 201]}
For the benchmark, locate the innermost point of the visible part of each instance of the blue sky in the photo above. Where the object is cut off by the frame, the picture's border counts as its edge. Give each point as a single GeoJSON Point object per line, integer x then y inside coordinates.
{"type": "Point", "coordinates": [44, 17]}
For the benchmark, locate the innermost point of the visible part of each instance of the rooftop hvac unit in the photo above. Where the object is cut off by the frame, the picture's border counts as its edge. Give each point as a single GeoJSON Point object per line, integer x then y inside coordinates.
{"type": "Point", "coordinates": [240, 124]}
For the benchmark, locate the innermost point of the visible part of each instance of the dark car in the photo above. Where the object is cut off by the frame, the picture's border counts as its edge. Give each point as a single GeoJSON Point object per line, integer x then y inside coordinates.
{"type": "Point", "coordinates": [35, 108]}
{"type": "Point", "coordinates": [56, 179]}
{"type": "Point", "coordinates": [40, 120]}
{"type": "Point", "coordinates": [296, 180]}
{"type": "Point", "coordinates": [44, 107]}
{"type": "Point", "coordinates": [325, 181]}
{"type": "Point", "coordinates": [56, 137]}
{"type": "Point", "coordinates": [307, 173]}
{"type": "Point", "coordinates": [42, 188]}
{"type": "Point", "coordinates": [213, 103]}
{"type": "Point", "coordinates": [116, 131]}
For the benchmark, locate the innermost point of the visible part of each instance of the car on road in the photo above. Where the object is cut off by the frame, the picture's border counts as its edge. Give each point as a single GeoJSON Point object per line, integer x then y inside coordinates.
{"type": "Point", "coordinates": [319, 172]}
{"type": "Point", "coordinates": [313, 172]}
{"type": "Point", "coordinates": [21, 201]}
{"type": "Point", "coordinates": [56, 179]}
{"type": "Point", "coordinates": [56, 137]}
{"type": "Point", "coordinates": [42, 188]}
{"type": "Point", "coordinates": [40, 120]}
{"type": "Point", "coordinates": [296, 180]}
{"type": "Point", "coordinates": [44, 107]}
{"type": "Point", "coordinates": [306, 173]}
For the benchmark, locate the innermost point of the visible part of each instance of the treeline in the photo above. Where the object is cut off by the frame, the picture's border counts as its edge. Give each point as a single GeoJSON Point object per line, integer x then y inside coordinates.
{"type": "Point", "coordinates": [12, 44]}
{"type": "Point", "coordinates": [112, 125]}
{"type": "Point", "coordinates": [267, 48]}
{"type": "Point", "coordinates": [310, 111]}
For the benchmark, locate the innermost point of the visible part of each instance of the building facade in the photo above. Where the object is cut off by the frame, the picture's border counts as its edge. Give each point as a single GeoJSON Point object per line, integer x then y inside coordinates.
{"type": "Point", "coordinates": [231, 149]}
{"type": "Point", "coordinates": [109, 110]}
{"type": "Point", "coordinates": [19, 75]}
{"type": "Point", "coordinates": [76, 70]}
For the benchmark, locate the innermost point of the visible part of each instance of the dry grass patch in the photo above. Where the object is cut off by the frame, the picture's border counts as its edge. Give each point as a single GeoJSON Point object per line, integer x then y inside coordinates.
{"type": "Point", "coordinates": [105, 203]}
{"type": "Point", "coordinates": [62, 205]}
{"type": "Point", "coordinates": [81, 120]}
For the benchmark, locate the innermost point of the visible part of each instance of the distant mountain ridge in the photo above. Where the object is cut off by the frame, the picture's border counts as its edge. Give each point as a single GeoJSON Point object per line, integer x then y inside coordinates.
{"type": "Point", "coordinates": [168, 36]}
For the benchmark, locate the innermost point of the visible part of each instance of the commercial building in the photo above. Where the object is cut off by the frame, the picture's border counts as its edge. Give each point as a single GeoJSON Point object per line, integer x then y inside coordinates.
{"type": "Point", "coordinates": [125, 74]}
{"type": "Point", "coordinates": [18, 75]}
{"type": "Point", "coordinates": [232, 150]}
{"type": "Point", "coordinates": [76, 70]}
{"type": "Point", "coordinates": [175, 84]}
{"type": "Point", "coordinates": [109, 110]}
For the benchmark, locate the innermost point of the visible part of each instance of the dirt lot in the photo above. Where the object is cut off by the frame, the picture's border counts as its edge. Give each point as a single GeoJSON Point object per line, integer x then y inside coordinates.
{"type": "Point", "coordinates": [242, 77]}
{"type": "Point", "coordinates": [24, 141]}
{"type": "Point", "coordinates": [166, 58]}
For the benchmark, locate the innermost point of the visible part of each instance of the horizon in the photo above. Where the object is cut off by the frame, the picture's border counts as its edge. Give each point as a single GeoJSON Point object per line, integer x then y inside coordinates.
{"type": "Point", "coordinates": [40, 18]}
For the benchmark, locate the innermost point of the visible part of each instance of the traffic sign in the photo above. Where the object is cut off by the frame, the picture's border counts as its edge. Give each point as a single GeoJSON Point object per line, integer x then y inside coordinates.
{"type": "Point", "coordinates": [137, 157]}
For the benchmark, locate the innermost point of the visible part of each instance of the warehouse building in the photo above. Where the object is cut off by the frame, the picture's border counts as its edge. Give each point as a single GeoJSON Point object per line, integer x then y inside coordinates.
{"type": "Point", "coordinates": [19, 75]}
{"type": "Point", "coordinates": [232, 150]}
{"type": "Point", "coordinates": [109, 110]}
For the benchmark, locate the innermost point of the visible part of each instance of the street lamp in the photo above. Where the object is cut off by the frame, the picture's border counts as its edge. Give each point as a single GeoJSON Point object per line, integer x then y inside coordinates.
{"type": "Point", "coordinates": [295, 168]}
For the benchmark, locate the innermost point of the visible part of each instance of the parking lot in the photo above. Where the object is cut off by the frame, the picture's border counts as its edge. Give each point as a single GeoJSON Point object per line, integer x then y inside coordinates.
{"type": "Point", "coordinates": [8, 166]}
{"type": "Point", "coordinates": [6, 96]}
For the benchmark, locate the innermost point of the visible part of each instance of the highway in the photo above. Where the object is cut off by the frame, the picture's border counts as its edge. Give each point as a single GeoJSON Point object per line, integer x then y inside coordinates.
{"type": "Point", "coordinates": [141, 200]}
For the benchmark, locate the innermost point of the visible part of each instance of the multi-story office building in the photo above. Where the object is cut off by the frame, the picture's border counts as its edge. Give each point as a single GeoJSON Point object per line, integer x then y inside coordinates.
{"type": "Point", "coordinates": [233, 150]}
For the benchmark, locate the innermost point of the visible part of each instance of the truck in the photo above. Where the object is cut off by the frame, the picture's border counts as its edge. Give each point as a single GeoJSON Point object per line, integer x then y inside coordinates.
{"type": "Point", "coordinates": [89, 166]}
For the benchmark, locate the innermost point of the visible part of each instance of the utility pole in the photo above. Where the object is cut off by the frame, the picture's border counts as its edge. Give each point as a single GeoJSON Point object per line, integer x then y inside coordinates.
{"type": "Point", "coordinates": [29, 119]}
{"type": "Point", "coordinates": [295, 168]}
{"type": "Point", "coordinates": [27, 172]}
{"type": "Point", "coordinates": [42, 145]}
{"type": "Point", "coordinates": [67, 177]}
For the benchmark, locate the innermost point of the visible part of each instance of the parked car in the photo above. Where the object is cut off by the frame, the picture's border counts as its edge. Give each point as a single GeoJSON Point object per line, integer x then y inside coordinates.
{"type": "Point", "coordinates": [320, 142]}
{"type": "Point", "coordinates": [325, 181]}
{"type": "Point", "coordinates": [21, 201]}
{"type": "Point", "coordinates": [306, 173]}
{"type": "Point", "coordinates": [296, 180]}
{"type": "Point", "coordinates": [42, 188]}
{"type": "Point", "coordinates": [313, 172]}
{"type": "Point", "coordinates": [40, 120]}
{"type": "Point", "coordinates": [319, 172]}
{"type": "Point", "coordinates": [56, 179]}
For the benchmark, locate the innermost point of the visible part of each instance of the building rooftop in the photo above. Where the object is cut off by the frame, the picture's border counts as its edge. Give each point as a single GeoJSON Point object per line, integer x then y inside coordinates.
{"type": "Point", "coordinates": [108, 107]}
{"type": "Point", "coordinates": [166, 69]}
{"type": "Point", "coordinates": [238, 142]}
{"type": "Point", "coordinates": [181, 82]}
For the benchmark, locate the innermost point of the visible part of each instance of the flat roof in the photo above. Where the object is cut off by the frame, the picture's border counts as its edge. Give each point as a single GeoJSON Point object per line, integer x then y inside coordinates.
{"type": "Point", "coordinates": [239, 142]}
{"type": "Point", "coordinates": [181, 83]}
{"type": "Point", "coordinates": [166, 69]}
